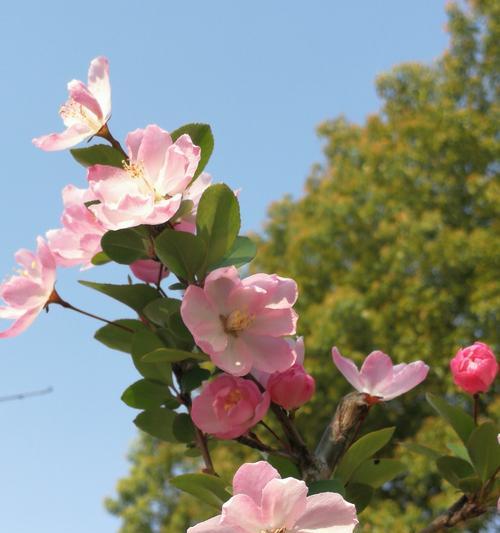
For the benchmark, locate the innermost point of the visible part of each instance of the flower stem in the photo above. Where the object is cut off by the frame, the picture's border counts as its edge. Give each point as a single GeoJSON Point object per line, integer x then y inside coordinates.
{"type": "Point", "coordinates": [104, 133]}
{"type": "Point", "coordinates": [475, 408]}
{"type": "Point", "coordinates": [56, 299]}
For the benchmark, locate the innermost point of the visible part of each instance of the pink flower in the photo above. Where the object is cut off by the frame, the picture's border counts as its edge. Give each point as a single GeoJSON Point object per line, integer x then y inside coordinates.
{"type": "Point", "coordinates": [86, 111]}
{"type": "Point", "coordinates": [148, 189]}
{"type": "Point", "coordinates": [28, 293]}
{"type": "Point", "coordinates": [262, 502]}
{"type": "Point", "coordinates": [228, 407]}
{"type": "Point", "coordinates": [148, 270]}
{"type": "Point", "coordinates": [79, 239]}
{"type": "Point", "coordinates": [291, 388]}
{"type": "Point", "coordinates": [378, 377]}
{"type": "Point", "coordinates": [474, 368]}
{"type": "Point", "coordinates": [241, 323]}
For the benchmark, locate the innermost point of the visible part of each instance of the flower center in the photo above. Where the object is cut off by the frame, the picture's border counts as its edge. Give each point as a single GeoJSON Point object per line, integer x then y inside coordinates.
{"type": "Point", "coordinates": [237, 321]}
{"type": "Point", "coordinates": [279, 530]}
{"type": "Point", "coordinates": [232, 399]}
{"type": "Point", "coordinates": [136, 171]}
{"type": "Point", "coordinates": [76, 111]}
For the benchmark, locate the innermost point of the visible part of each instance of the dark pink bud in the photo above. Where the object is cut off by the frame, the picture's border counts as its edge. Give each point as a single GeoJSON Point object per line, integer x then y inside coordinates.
{"type": "Point", "coordinates": [291, 388]}
{"type": "Point", "coordinates": [474, 368]}
{"type": "Point", "coordinates": [148, 270]}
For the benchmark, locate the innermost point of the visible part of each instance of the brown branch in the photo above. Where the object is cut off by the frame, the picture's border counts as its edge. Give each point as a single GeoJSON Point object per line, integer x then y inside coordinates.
{"type": "Point", "coordinates": [462, 510]}
{"type": "Point", "coordinates": [339, 434]}
{"type": "Point", "coordinates": [23, 395]}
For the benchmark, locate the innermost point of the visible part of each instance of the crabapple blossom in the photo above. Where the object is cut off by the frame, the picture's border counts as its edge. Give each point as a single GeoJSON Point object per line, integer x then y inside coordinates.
{"type": "Point", "coordinates": [86, 111]}
{"type": "Point", "coordinates": [262, 502]}
{"type": "Point", "coordinates": [79, 240]}
{"type": "Point", "coordinates": [149, 187]}
{"type": "Point", "coordinates": [28, 293]}
{"type": "Point", "coordinates": [474, 368]}
{"type": "Point", "coordinates": [148, 270]}
{"type": "Point", "coordinates": [378, 377]}
{"type": "Point", "coordinates": [229, 406]}
{"type": "Point", "coordinates": [240, 324]}
{"type": "Point", "coordinates": [291, 388]}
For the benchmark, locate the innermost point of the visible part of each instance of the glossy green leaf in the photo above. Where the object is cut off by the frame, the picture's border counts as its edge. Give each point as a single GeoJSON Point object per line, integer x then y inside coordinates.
{"type": "Point", "coordinates": [98, 154]}
{"type": "Point", "coordinates": [159, 311]}
{"type": "Point", "coordinates": [361, 450]}
{"type": "Point", "coordinates": [145, 394]}
{"type": "Point", "coordinates": [135, 296]}
{"type": "Point", "coordinates": [100, 259]}
{"type": "Point", "coordinates": [458, 450]}
{"type": "Point", "coordinates": [124, 246]}
{"type": "Point", "coordinates": [201, 135]}
{"type": "Point", "coordinates": [326, 485]}
{"type": "Point", "coordinates": [218, 222]}
{"type": "Point", "coordinates": [208, 489]}
{"type": "Point", "coordinates": [422, 450]}
{"type": "Point", "coordinates": [453, 469]}
{"type": "Point", "coordinates": [470, 484]}
{"type": "Point", "coordinates": [117, 338]}
{"type": "Point", "coordinates": [241, 253]}
{"type": "Point", "coordinates": [376, 472]}
{"type": "Point", "coordinates": [145, 342]}
{"type": "Point", "coordinates": [183, 253]}
{"type": "Point", "coordinates": [360, 495]}
{"type": "Point", "coordinates": [484, 450]}
{"type": "Point", "coordinates": [183, 428]}
{"type": "Point", "coordinates": [284, 466]}
{"type": "Point", "coordinates": [459, 420]}
{"type": "Point", "coordinates": [171, 355]}
{"type": "Point", "coordinates": [193, 378]}
{"type": "Point", "coordinates": [157, 422]}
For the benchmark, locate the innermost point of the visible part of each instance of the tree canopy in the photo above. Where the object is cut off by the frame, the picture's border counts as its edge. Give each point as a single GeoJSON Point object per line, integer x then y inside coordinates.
{"type": "Point", "coordinates": [395, 246]}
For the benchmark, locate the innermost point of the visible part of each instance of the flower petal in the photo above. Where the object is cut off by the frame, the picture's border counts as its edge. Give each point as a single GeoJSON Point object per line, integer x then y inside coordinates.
{"type": "Point", "coordinates": [327, 512]}
{"type": "Point", "coordinates": [283, 502]}
{"type": "Point", "coordinates": [99, 86]}
{"type": "Point", "coordinates": [348, 369]}
{"type": "Point", "coordinates": [60, 141]}
{"type": "Point", "coordinates": [21, 323]}
{"type": "Point", "coordinates": [376, 373]}
{"type": "Point", "coordinates": [242, 511]}
{"type": "Point", "coordinates": [251, 478]}
{"type": "Point", "coordinates": [406, 377]}
{"type": "Point", "coordinates": [274, 322]}
{"type": "Point", "coordinates": [270, 354]}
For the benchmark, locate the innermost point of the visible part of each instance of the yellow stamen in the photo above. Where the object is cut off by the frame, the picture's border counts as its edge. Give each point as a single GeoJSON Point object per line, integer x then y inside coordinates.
{"type": "Point", "coordinates": [237, 321]}
{"type": "Point", "coordinates": [232, 399]}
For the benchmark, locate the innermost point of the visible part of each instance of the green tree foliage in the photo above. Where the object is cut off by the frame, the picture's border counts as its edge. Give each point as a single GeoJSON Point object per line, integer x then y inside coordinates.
{"type": "Point", "coordinates": [395, 246]}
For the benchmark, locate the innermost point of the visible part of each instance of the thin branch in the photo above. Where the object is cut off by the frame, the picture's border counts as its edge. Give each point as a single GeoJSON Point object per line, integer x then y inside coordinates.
{"type": "Point", "coordinates": [23, 395]}
{"type": "Point", "coordinates": [104, 133]}
{"type": "Point", "coordinates": [462, 510]}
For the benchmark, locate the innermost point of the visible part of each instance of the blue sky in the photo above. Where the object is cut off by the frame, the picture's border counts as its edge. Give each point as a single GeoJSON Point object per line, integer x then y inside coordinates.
{"type": "Point", "coordinates": [263, 74]}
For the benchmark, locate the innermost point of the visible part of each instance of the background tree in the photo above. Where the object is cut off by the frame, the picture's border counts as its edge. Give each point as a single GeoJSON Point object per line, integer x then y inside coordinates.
{"type": "Point", "coordinates": [395, 246]}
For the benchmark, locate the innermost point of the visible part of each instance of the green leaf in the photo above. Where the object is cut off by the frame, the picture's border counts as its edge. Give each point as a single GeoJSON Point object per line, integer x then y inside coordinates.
{"type": "Point", "coordinates": [201, 135]}
{"type": "Point", "coordinates": [145, 342]}
{"type": "Point", "coordinates": [218, 222]}
{"type": "Point", "coordinates": [360, 495]}
{"type": "Point", "coordinates": [470, 484]}
{"type": "Point", "coordinates": [100, 259]}
{"type": "Point", "coordinates": [209, 489]}
{"type": "Point", "coordinates": [145, 394]}
{"type": "Point", "coordinates": [459, 450]}
{"type": "Point", "coordinates": [454, 469]}
{"type": "Point", "coordinates": [124, 246]}
{"type": "Point", "coordinates": [241, 253]}
{"type": "Point", "coordinates": [171, 355]}
{"type": "Point", "coordinates": [135, 296]}
{"type": "Point", "coordinates": [376, 472]}
{"type": "Point", "coordinates": [182, 252]}
{"type": "Point", "coordinates": [183, 428]}
{"type": "Point", "coordinates": [421, 450]}
{"type": "Point", "coordinates": [326, 485]}
{"type": "Point", "coordinates": [98, 154]}
{"type": "Point", "coordinates": [193, 378]}
{"type": "Point", "coordinates": [177, 287]}
{"type": "Point", "coordinates": [459, 420]}
{"type": "Point", "coordinates": [484, 450]}
{"type": "Point", "coordinates": [361, 450]}
{"type": "Point", "coordinates": [160, 310]}
{"type": "Point", "coordinates": [157, 422]}
{"type": "Point", "coordinates": [284, 466]}
{"type": "Point", "coordinates": [118, 338]}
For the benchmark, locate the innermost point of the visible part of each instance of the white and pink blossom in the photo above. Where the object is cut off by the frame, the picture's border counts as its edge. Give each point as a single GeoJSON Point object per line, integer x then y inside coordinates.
{"type": "Point", "coordinates": [26, 294]}
{"type": "Point", "coordinates": [378, 377]}
{"type": "Point", "coordinates": [263, 502]}
{"type": "Point", "coordinates": [79, 240]}
{"type": "Point", "coordinates": [149, 187]}
{"type": "Point", "coordinates": [241, 324]}
{"type": "Point", "coordinates": [86, 111]}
